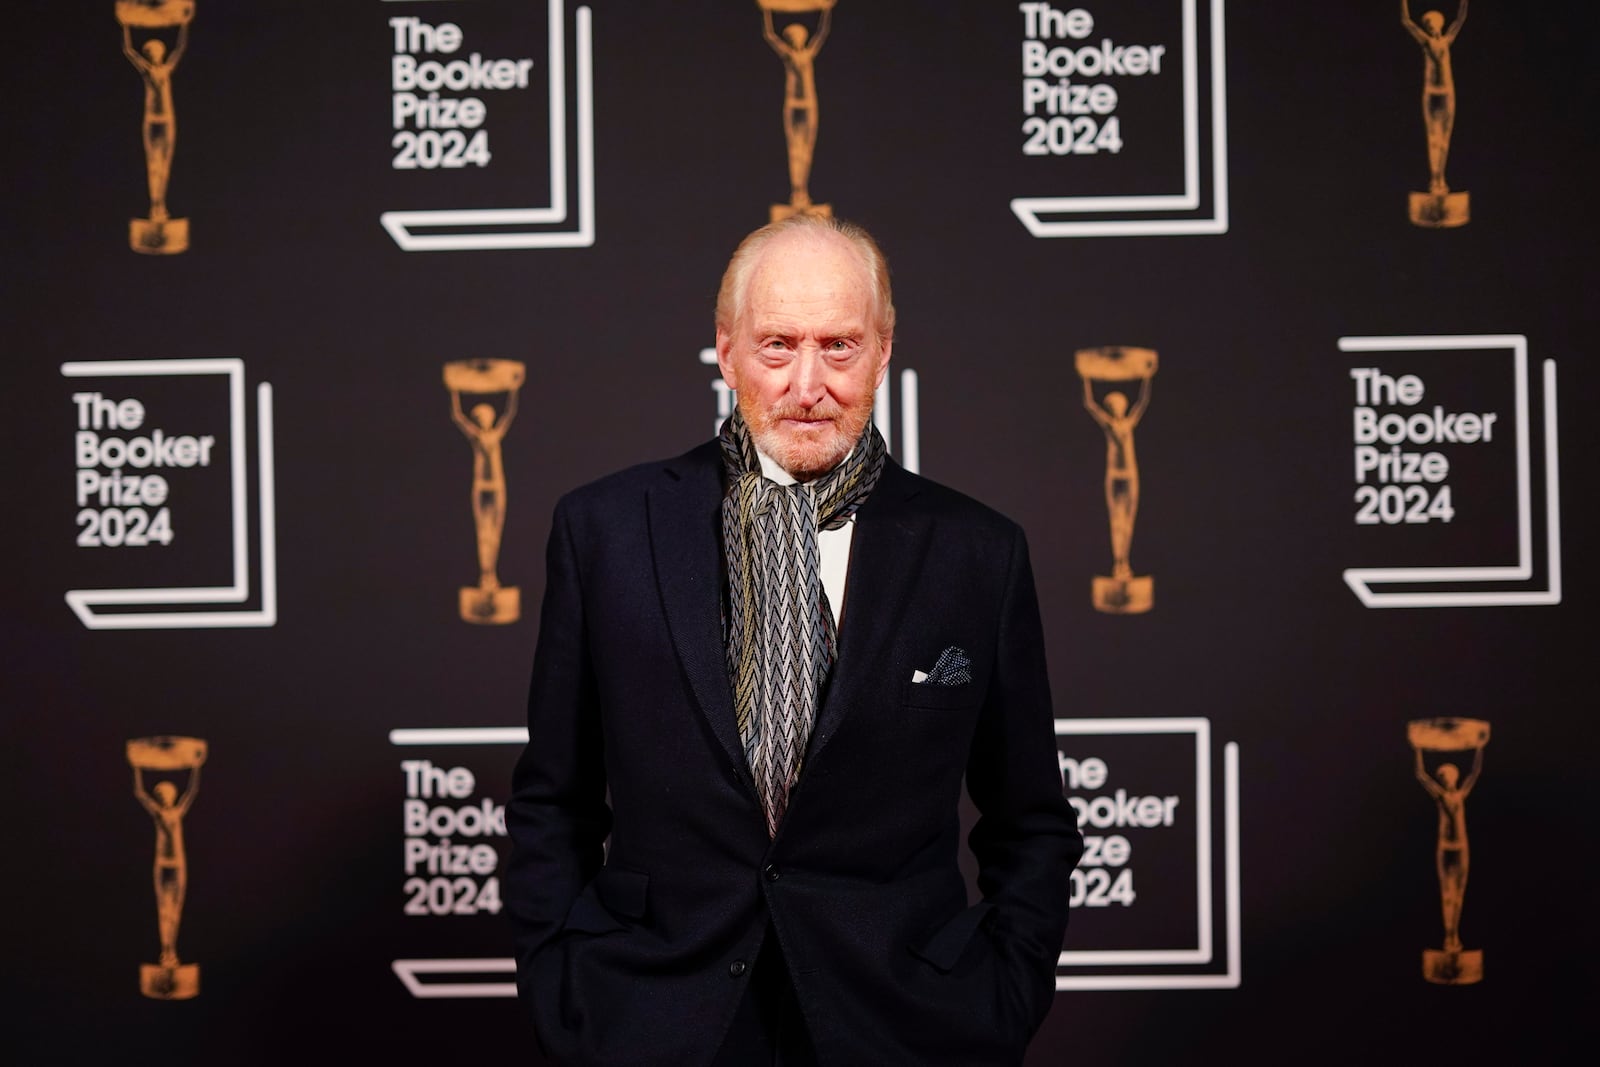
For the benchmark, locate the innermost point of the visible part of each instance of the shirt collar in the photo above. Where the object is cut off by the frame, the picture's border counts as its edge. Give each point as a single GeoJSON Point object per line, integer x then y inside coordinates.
{"type": "Point", "coordinates": [771, 471]}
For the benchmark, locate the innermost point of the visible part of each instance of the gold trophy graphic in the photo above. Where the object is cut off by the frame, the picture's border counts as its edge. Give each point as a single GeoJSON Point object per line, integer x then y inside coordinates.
{"type": "Point", "coordinates": [488, 601]}
{"type": "Point", "coordinates": [166, 758]}
{"type": "Point", "coordinates": [1121, 592]}
{"type": "Point", "coordinates": [160, 234]}
{"type": "Point", "coordinates": [1438, 207]}
{"type": "Point", "coordinates": [798, 47]}
{"type": "Point", "coordinates": [1450, 965]}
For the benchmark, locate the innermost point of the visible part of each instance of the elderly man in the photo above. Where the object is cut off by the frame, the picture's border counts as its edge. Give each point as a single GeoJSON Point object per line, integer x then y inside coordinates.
{"type": "Point", "coordinates": [763, 670]}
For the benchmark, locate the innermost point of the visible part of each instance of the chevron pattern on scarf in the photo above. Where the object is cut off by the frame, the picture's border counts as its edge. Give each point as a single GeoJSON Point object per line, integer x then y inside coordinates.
{"type": "Point", "coordinates": [782, 639]}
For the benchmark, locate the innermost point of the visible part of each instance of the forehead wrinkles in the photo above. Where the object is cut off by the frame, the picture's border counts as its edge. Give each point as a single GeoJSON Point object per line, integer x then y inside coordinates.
{"type": "Point", "coordinates": [806, 277]}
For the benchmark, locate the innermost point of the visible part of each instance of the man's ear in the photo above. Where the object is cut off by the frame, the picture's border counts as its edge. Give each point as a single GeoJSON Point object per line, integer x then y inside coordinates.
{"type": "Point", "coordinates": [883, 361]}
{"type": "Point", "coordinates": [725, 359]}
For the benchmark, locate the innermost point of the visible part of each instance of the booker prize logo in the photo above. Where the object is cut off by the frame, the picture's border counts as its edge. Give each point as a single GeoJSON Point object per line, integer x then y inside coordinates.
{"type": "Point", "coordinates": [455, 845]}
{"type": "Point", "coordinates": [1106, 373]}
{"type": "Point", "coordinates": [1448, 473]}
{"type": "Point", "coordinates": [1446, 743]}
{"type": "Point", "coordinates": [162, 493]}
{"type": "Point", "coordinates": [797, 44]}
{"type": "Point", "coordinates": [457, 124]}
{"type": "Point", "coordinates": [1124, 128]}
{"type": "Point", "coordinates": [1153, 850]}
{"type": "Point", "coordinates": [1438, 207]}
{"type": "Point", "coordinates": [485, 427]}
{"type": "Point", "coordinates": [160, 764]}
{"type": "Point", "coordinates": [155, 58]}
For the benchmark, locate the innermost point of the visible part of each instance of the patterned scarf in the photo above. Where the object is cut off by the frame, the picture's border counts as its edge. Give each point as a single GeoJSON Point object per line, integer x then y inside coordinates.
{"type": "Point", "coordinates": [781, 634]}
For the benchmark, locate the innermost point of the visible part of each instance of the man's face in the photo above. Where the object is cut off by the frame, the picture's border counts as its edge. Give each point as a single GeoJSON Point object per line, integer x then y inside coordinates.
{"type": "Point", "coordinates": [804, 356]}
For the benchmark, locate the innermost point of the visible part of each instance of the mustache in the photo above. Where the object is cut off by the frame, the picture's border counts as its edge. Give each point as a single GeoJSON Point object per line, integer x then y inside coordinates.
{"type": "Point", "coordinates": [827, 411]}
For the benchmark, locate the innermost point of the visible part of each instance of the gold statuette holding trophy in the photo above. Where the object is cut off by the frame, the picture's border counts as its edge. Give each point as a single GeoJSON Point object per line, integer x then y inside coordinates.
{"type": "Point", "coordinates": [155, 59]}
{"type": "Point", "coordinates": [797, 45]}
{"type": "Point", "coordinates": [485, 428]}
{"type": "Point", "coordinates": [1448, 739]}
{"type": "Point", "coordinates": [1437, 208]}
{"type": "Point", "coordinates": [1112, 369]}
{"type": "Point", "coordinates": [165, 759]}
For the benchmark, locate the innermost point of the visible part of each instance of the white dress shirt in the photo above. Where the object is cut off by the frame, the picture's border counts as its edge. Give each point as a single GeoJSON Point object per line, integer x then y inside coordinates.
{"type": "Point", "coordinates": [833, 546]}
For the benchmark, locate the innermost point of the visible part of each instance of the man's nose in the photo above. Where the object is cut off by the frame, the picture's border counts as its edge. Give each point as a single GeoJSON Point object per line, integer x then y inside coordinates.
{"type": "Point", "coordinates": [807, 383]}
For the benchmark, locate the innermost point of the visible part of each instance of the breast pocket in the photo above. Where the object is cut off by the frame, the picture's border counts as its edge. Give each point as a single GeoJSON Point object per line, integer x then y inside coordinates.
{"type": "Point", "coordinates": [939, 697]}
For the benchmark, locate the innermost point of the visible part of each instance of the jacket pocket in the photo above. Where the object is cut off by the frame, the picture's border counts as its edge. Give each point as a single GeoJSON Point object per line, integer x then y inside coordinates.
{"type": "Point", "coordinates": [942, 948]}
{"type": "Point", "coordinates": [614, 896]}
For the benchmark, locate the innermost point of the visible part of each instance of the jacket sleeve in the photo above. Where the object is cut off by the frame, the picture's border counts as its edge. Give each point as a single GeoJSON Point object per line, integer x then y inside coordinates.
{"type": "Point", "coordinates": [557, 816]}
{"type": "Point", "coordinates": [1026, 839]}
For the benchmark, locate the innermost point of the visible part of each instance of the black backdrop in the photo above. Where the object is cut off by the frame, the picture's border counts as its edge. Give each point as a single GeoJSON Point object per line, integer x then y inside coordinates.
{"type": "Point", "coordinates": [1283, 914]}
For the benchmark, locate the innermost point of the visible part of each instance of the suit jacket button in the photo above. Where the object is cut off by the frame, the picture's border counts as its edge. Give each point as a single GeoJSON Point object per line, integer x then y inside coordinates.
{"type": "Point", "coordinates": [736, 968]}
{"type": "Point", "coordinates": [771, 872]}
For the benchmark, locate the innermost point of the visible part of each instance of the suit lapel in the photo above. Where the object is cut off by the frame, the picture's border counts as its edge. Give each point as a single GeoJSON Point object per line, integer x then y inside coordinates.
{"type": "Point", "coordinates": [887, 551]}
{"type": "Point", "coordinates": [685, 515]}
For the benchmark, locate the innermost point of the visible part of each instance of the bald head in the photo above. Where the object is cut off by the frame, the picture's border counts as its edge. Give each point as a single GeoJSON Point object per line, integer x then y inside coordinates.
{"type": "Point", "coordinates": [734, 291]}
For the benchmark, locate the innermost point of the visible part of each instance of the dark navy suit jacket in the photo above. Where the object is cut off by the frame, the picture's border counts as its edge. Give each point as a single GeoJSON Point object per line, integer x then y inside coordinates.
{"type": "Point", "coordinates": [637, 951]}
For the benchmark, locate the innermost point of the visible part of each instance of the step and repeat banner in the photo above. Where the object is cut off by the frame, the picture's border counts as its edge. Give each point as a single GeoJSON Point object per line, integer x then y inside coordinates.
{"type": "Point", "coordinates": [1272, 323]}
